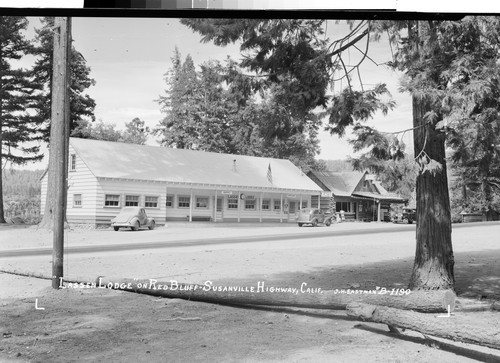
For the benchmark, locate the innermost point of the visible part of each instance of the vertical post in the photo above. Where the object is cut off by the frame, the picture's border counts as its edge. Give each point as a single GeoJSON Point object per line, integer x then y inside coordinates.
{"type": "Point", "coordinates": [300, 207]}
{"type": "Point", "coordinates": [239, 206]}
{"type": "Point", "coordinates": [166, 201]}
{"type": "Point", "coordinates": [191, 206]}
{"type": "Point", "coordinates": [260, 209]}
{"type": "Point", "coordinates": [215, 206]}
{"type": "Point", "coordinates": [59, 139]}
{"type": "Point", "coordinates": [378, 210]}
{"type": "Point", "coordinates": [281, 208]}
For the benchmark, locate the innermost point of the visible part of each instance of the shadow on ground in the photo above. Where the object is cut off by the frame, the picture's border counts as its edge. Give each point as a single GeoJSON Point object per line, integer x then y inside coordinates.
{"type": "Point", "coordinates": [477, 275]}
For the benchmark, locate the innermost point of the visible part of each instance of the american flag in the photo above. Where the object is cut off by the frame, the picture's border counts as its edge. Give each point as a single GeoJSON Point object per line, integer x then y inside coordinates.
{"type": "Point", "coordinates": [269, 174]}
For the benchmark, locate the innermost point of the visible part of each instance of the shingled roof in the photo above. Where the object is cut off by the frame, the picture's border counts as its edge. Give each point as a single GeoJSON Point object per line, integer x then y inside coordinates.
{"type": "Point", "coordinates": [341, 184]}
{"type": "Point", "coordinates": [107, 159]}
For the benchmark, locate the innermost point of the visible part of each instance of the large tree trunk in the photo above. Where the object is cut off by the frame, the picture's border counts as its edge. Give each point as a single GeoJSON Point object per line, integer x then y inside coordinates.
{"type": "Point", "coordinates": [263, 294]}
{"type": "Point", "coordinates": [51, 196]}
{"type": "Point", "coordinates": [2, 215]}
{"type": "Point", "coordinates": [456, 328]}
{"type": "Point", "coordinates": [434, 261]}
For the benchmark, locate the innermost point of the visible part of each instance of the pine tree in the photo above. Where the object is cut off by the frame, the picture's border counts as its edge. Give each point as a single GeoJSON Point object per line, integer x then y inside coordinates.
{"type": "Point", "coordinates": [81, 105]}
{"type": "Point", "coordinates": [178, 128]}
{"type": "Point", "coordinates": [136, 132]}
{"type": "Point", "coordinates": [448, 67]}
{"type": "Point", "coordinates": [215, 109]}
{"type": "Point", "coordinates": [18, 95]}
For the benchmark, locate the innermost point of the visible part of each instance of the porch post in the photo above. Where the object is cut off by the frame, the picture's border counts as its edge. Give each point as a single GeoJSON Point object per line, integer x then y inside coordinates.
{"type": "Point", "coordinates": [191, 206]}
{"type": "Point", "coordinates": [300, 202]}
{"type": "Point", "coordinates": [260, 208]}
{"type": "Point", "coordinates": [281, 209]}
{"type": "Point", "coordinates": [239, 206]}
{"type": "Point", "coordinates": [215, 206]}
{"type": "Point", "coordinates": [378, 210]}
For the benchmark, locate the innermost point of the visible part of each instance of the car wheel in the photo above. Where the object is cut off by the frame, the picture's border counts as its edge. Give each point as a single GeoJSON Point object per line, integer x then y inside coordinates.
{"type": "Point", "coordinates": [301, 224]}
{"type": "Point", "coordinates": [315, 223]}
{"type": "Point", "coordinates": [328, 223]}
{"type": "Point", "coordinates": [136, 226]}
{"type": "Point", "coordinates": [116, 228]}
{"type": "Point", "coordinates": [152, 225]}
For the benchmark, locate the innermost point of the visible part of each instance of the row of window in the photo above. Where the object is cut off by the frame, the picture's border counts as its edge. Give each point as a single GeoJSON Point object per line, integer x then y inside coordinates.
{"type": "Point", "coordinates": [183, 201]}
{"type": "Point", "coordinates": [113, 200]}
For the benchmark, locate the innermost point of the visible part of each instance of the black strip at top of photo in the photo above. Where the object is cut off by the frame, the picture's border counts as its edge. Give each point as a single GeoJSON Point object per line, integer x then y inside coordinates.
{"type": "Point", "coordinates": [189, 9]}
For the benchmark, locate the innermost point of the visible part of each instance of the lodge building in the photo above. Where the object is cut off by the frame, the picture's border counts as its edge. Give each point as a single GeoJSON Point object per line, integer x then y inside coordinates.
{"type": "Point", "coordinates": [190, 185]}
{"type": "Point", "coordinates": [179, 184]}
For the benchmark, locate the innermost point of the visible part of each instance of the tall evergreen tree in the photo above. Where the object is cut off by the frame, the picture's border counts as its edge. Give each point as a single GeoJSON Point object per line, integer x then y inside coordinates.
{"type": "Point", "coordinates": [446, 64]}
{"type": "Point", "coordinates": [136, 132]}
{"type": "Point", "coordinates": [178, 128]}
{"type": "Point", "coordinates": [215, 109]}
{"type": "Point", "coordinates": [18, 95]}
{"type": "Point", "coordinates": [81, 104]}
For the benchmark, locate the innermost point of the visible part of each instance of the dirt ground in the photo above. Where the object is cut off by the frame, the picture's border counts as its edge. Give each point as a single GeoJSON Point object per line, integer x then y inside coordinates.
{"type": "Point", "coordinates": [40, 324]}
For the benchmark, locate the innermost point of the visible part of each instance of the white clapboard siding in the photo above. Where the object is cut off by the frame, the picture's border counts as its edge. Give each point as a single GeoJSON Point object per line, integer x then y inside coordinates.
{"type": "Point", "coordinates": [104, 214]}
{"type": "Point", "coordinates": [81, 181]}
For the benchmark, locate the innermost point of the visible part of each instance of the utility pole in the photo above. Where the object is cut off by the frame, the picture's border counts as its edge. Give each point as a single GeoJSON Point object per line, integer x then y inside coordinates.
{"type": "Point", "coordinates": [59, 138]}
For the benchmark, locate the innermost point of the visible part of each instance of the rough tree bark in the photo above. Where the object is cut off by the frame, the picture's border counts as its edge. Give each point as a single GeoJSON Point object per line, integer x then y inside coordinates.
{"type": "Point", "coordinates": [47, 221]}
{"type": "Point", "coordinates": [434, 261]}
{"type": "Point", "coordinates": [460, 329]}
{"type": "Point", "coordinates": [2, 215]}
{"type": "Point", "coordinates": [424, 301]}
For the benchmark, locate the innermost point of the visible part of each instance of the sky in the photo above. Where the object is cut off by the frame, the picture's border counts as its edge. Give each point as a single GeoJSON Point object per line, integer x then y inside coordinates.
{"type": "Point", "coordinates": [129, 57]}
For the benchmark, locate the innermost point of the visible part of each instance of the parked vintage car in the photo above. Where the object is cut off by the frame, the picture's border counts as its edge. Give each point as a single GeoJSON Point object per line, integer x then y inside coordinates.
{"type": "Point", "coordinates": [133, 217]}
{"type": "Point", "coordinates": [408, 216]}
{"type": "Point", "coordinates": [313, 217]}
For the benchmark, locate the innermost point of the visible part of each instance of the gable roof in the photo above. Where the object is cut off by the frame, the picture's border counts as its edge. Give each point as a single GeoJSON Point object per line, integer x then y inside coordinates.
{"type": "Point", "coordinates": [344, 184]}
{"type": "Point", "coordinates": [107, 159]}
{"type": "Point", "coordinates": [341, 184]}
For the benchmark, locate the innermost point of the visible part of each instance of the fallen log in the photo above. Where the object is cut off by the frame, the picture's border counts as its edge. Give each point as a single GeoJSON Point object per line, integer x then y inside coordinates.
{"type": "Point", "coordinates": [453, 328]}
{"type": "Point", "coordinates": [302, 297]}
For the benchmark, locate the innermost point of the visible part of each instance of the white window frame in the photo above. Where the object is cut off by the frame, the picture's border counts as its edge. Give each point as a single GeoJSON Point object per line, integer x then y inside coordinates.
{"type": "Point", "coordinates": [266, 204]}
{"type": "Point", "coordinates": [134, 201]}
{"type": "Point", "coordinates": [155, 201]}
{"type": "Point", "coordinates": [253, 203]}
{"type": "Point", "coordinates": [171, 201]}
{"type": "Point", "coordinates": [277, 205]}
{"type": "Point", "coordinates": [186, 199]}
{"type": "Point", "coordinates": [77, 202]}
{"type": "Point", "coordinates": [72, 162]}
{"type": "Point", "coordinates": [233, 202]}
{"type": "Point", "coordinates": [117, 200]}
{"type": "Point", "coordinates": [206, 202]}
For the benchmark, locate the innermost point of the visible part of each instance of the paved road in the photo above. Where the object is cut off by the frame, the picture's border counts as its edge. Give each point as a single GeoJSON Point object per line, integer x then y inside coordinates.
{"type": "Point", "coordinates": [313, 234]}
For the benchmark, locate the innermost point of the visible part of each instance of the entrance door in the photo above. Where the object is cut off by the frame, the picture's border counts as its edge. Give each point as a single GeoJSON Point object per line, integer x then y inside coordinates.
{"type": "Point", "coordinates": [219, 209]}
{"type": "Point", "coordinates": [292, 210]}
